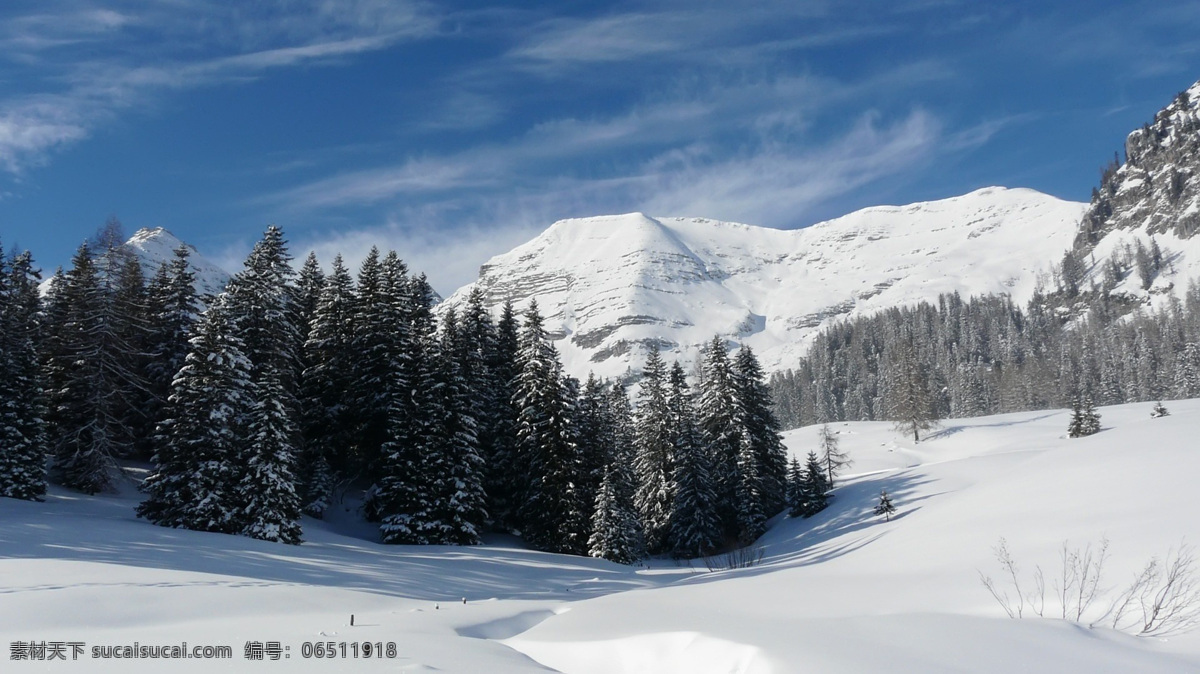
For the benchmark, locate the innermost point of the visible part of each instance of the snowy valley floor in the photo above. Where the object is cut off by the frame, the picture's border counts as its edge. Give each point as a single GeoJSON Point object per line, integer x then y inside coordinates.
{"type": "Point", "coordinates": [841, 592]}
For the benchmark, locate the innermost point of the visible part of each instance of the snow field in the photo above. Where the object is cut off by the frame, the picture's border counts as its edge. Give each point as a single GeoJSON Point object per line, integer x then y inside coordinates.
{"type": "Point", "coordinates": [841, 592]}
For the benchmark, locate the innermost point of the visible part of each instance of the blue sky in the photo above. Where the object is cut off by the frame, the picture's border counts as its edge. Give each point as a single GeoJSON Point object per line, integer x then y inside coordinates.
{"type": "Point", "coordinates": [452, 131]}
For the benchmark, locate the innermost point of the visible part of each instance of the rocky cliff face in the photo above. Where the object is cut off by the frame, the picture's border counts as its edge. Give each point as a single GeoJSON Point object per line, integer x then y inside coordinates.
{"type": "Point", "coordinates": [1137, 240]}
{"type": "Point", "coordinates": [1157, 189]}
{"type": "Point", "coordinates": [611, 286]}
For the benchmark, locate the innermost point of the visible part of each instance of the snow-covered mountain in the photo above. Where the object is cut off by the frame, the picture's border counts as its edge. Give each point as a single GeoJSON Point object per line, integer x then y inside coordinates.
{"type": "Point", "coordinates": [611, 286]}
{"type": "Point", "coordinates": [154, 246]}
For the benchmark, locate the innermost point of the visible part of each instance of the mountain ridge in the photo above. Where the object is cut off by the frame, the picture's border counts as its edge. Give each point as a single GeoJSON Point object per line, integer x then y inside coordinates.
{"type": "Point", "coordinates": [612, 286]}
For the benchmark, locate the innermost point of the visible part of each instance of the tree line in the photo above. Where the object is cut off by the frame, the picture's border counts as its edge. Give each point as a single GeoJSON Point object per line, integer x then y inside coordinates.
{"type": "Point", "coordinates": [986, 355]}
{"type": "Point", "coordinates": [287, 389]}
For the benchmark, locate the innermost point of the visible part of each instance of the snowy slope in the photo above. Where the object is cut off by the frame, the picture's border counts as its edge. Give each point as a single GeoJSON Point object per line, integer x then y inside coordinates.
{"type": "Point", "coordinates": [841, 592]}
{"type": "Point", "coordinates": [847, 592]}
{"type": "Point", "coordinates": [154, 246]}
{"type": "Point", "coordinates": [609, 286]}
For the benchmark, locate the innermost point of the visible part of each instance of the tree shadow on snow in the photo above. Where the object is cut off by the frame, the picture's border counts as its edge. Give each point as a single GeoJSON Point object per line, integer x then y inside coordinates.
{"type": "Point", "coordinates": [959, 428]}
{"type": "Point", "coordinates": [104, 529]}
{"type": "Point", "coordinates": [848, 524]}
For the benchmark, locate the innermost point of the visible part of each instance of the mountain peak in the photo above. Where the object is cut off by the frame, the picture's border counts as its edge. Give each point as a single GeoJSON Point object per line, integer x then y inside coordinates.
{"type": "Point", "coordinates": [156, 245]}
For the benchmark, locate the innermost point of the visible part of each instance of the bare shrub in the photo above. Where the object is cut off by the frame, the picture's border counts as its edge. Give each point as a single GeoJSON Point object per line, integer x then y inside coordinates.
{"type": "Point", "coordinates": [1079, 584]}
{"type": "Point", "coordinates": [1163, 599]}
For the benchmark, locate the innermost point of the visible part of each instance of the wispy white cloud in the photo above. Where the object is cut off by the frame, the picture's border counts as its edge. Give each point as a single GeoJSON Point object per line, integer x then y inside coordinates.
{"type": "Point", "coordinates": [762, 114]}
{"type": "Point", "coordinates": [371, 186]}
{"type": "Point", "coordinates": [772, 186]}
{"type": "Point", "coordinates": [30, 129]}
{"type": "Point", "coordinates": [80, 58]}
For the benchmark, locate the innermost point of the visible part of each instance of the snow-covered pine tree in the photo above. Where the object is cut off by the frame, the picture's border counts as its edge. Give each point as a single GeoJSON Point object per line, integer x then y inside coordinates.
{"type": "Point", "coordinates": [594, 438]}
{"type": "Point", "coordinates": [1159, 410]}
{"type": "Point", "coordinates": [375, 328]}
{"type": "Point", "coordinates": [760, 431]}
{"type": "Point", "coordinates": [1090, 423]}
{"type": "Point", "coordinates": [266, 492]}
{"type": "Point", "coordinates": [833, 458]}
{"type": "Point", "coordinates": [694, 530]}
{"type": "Point", "coordinates": [413, 457]}
{"type": "Point", "coordinates": [327, 419]}
{"type": "Point", "coordinates": [796, 493]}
{"type": "Point", "coordinates": [502, 481]}
{"type": "Point", "coordinates": [815, 489]}
{"type": "Point", "coordinates": [624, 449]}
{"type": "Point", "coordinates": [314, 481]}
{"type": "Point", "coordinates": [616, 531]}
{"type": "Point", "coordinates": [752, 515]}
{"type": "Point", "coordinates": [309, 284]}
{"type": "Point", "coordinates": [457, 507]}
{"type": "Point", "coordinates": [260, 301]}
{"type": "Point", "coordinates": [1187, 372]}
{"type": "Point", "coordinates": [720, 430]}
{"type": "Point", "coordinates": [654, 464]}
{"type": "Point", "coordinates": [22, 431]}
{"type": "Point", "coordinates": [549, 512]}
{"type": "Point", "coordinates": [202, 440]}
{"type": "Point", "coordinates": [1075, 425]}
{"type": "Point", "coordinates": [885, 506]}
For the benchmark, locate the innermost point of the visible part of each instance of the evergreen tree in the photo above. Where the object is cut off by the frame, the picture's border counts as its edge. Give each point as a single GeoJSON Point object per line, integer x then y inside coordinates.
{"type": "Point", "coordinates": [654, 463]}
{"type": "Point", "coordinates": [458, 498]}
{"type": "Point", "coordinates": [266, 493]}
{"type": "Point", "coordinates": [378, 330]}
{"type": "Point", "coordinates": [22, 431]}
{"type": "Point", "coordinates": [1187, 372]}
{"type": "Point", "coordinates": [413, 456]}
{"type": "Point", "coordinates": [1076, 425]}
{"type": "Point", "coordinates": [503, 480]}
{"type": "Point", "coordinates": [885, 506]}
{"type": "Point", "coordinates": [760, 432]}
{"type": "Point", "coordinates": [1159, 410]}
{"type": "Point", "coordinates": [1090, 424]}
{"type": "Point", "coordinates": [328, 419]}
{"type": "Point", "coordinates": [815, 489]}
{"type": "Point", "coordinates": [720, 431]}
{"type": "Point", "coordinates": [309, 284]}
{"type": "Point", "coordinates": [203, 437]}
{"type": "Point", "coordinates": [751, 518]}
{"type": "Point", "coordinates": [261, 302]}
{"type": "Point", "coordinates": [550, 515]}
{"type": "Point", "coordinates": [797, 497]}
{"type": "Point", "coordinates": [595, 439]}
{"type": "Point", "coordinates": [173, 310]}
{"type": "Point", "coordinates": [694, 529]}
{"type": "Point", "coordinates": [616, 532]}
